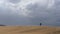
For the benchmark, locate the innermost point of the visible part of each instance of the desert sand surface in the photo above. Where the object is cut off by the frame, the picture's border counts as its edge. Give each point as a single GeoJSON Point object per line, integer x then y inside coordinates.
{"type": "Point", "coordinates": [29, 30]}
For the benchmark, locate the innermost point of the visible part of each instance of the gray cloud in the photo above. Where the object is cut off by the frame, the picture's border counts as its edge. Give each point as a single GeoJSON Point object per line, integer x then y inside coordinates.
{"type": "Point", "coordinates": [30, 12]}
{"type": "Point", "coordinates": [14, 1]}
{"type": "Point", "coordinates": [13, 20]}
{"type": "Point", "coordinates": [48, 16]}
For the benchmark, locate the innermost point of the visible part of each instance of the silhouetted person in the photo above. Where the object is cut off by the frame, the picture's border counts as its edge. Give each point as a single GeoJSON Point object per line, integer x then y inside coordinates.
{"type": "Point", "coordinates": [40, 24]}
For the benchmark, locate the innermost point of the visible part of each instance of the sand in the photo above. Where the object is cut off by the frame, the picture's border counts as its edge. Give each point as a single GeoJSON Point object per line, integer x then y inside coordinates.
{"type": "Point", "coordinates": [29, 30]}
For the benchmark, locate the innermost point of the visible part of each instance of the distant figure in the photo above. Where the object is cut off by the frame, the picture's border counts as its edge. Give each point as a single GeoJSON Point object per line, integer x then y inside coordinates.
{"type": "Point", "coordinates": [40, 24]}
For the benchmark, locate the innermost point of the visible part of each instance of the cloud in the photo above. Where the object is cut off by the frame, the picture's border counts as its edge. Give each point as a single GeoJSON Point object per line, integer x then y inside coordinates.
{"type": "Point", "coordinates": [47, 13]}
{"type": "Point", "coordinates": [14, 1]}
{"type": "Point", "coordinates": [29, 12]}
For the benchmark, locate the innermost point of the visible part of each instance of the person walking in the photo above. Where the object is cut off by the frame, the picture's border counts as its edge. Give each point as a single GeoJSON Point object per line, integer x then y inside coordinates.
{"type": "Point", "coordinates": [40, 24]}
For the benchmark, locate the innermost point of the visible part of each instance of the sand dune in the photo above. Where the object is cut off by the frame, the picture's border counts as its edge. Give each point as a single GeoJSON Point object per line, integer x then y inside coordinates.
{"type": "Point", "coordinates": [29, 30]}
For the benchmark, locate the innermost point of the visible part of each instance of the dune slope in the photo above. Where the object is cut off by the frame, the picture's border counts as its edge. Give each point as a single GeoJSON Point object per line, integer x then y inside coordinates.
{"type": "Point", "coordinates": [29, 30]}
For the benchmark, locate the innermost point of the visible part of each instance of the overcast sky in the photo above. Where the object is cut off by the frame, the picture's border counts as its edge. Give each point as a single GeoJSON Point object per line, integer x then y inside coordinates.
{"type": "Point", "coordinates": [30, 12]}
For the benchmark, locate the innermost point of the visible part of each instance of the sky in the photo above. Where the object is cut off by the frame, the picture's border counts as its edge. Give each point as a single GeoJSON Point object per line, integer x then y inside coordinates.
{"type": "Point", "coordinates": [30, 12]}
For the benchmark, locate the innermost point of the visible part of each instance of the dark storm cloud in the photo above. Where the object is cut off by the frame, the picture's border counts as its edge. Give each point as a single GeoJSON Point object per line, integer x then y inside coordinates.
{"type": "Point", "coordinates": [46, 16]}
{"type": "Point", "coordinates": [40, 12]}
{"type": "Point", "coordinates": [7, 18]}
{"type": "Point", "coordinates": [13, 20]}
